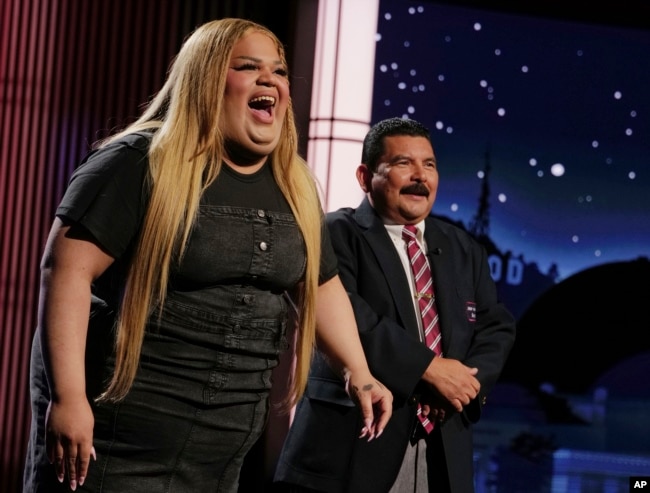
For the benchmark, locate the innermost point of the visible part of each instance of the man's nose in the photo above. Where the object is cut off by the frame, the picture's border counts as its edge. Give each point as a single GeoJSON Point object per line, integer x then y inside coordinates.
{"type": "Point", "coordinates": [419, 172]}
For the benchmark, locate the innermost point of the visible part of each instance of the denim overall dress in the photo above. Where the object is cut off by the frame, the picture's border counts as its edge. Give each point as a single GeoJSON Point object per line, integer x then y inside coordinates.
{"type": "Point", "coordinates": [200, 398]}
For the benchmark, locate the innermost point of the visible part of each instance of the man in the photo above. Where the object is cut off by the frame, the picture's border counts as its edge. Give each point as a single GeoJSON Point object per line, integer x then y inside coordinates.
{"type": "Point", "coordinates": [445, 383]}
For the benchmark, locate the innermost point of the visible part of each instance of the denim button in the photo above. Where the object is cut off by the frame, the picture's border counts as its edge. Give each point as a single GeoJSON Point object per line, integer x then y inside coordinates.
{"type": "Point", "coordinates": [248, 299]}
{"type": "Point", "coordinates": [261, 213]}
{"type": "Point", "coordinates": [263, 246]}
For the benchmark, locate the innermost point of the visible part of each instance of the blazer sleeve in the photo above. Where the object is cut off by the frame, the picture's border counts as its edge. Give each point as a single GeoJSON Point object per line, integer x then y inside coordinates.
{"type": "Point", "coordinates": [494, 334]}
{"type": "Point", "coordinates": [394, 356]}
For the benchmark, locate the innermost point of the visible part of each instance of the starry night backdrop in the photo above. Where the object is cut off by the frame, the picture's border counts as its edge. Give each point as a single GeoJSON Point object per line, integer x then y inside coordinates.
{"type": "Point", "coordinates": [559, 109]}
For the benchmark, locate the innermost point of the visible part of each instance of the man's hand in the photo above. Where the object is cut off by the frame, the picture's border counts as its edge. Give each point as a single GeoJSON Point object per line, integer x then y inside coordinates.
{"type": "Point", "coordinates": [374, 400]}
{"type": "Point", "coordinates": [453, 380]}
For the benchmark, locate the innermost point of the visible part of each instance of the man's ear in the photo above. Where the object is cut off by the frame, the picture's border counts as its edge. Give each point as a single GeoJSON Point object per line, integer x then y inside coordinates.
{"type": "Point", "coordinates": [364, 177]}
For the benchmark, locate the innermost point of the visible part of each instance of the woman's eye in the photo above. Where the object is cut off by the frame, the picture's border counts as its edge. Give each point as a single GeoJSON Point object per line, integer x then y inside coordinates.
{"type": "Point", "coordinates": [247, 66]}
{"type": "Point", "coordinates": [282, 72]}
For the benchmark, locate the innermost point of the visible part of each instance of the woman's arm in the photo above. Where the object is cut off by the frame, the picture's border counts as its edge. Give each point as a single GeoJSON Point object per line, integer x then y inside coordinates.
{"type": "Point", "coordinates": [338, 337]}
{"type": "Point", "coordinates": [70, 264]}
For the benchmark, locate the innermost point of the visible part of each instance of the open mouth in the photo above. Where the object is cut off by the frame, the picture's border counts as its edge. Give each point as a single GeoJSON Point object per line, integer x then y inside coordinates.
{"type": "Point", "coordinates": [262, 103]}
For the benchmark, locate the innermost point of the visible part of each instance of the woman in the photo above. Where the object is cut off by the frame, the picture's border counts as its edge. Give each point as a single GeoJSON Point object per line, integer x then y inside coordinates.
{"type": "Point", "coordinates": [185, 240]}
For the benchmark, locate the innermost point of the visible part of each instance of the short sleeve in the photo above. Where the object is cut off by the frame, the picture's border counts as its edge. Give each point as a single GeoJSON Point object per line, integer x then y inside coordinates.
{"type": "Point", "coordinates": [328, 261]}
{"type": "Point", "coordinates": [107, 194]}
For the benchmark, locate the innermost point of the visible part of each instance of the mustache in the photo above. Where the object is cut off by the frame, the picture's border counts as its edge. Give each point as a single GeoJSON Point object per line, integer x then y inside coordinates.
{"type": "Point", "coordinates": [415, 189]}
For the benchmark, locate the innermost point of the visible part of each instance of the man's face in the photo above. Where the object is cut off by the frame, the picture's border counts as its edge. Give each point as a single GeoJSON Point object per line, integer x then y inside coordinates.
{"type": "Point", "coordinates": [403, 189]}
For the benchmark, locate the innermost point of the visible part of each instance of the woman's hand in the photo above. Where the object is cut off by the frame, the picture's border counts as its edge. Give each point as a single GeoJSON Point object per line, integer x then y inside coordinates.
{"type": "Point", "coordinates": [374, 400]}
{"type": "Point", "coordinates": [69, 439]}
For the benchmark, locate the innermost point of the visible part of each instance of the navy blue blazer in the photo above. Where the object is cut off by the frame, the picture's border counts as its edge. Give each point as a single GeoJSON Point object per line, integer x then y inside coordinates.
{"type": "Point", "coordinates": [322, 449]}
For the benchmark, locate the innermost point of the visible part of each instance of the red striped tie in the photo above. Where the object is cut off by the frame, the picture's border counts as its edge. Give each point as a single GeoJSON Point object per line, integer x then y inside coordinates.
{"type": "Point", "coordinates": [426, 300]}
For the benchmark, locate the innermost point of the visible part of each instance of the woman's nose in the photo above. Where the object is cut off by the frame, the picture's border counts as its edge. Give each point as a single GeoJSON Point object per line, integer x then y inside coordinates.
{"type": "Point", "coordinates": [266, 77]}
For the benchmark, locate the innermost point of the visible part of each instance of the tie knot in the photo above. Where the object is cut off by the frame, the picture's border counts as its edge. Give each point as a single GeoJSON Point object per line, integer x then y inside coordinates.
{"type": "Point", "coordinates": [409, 232]}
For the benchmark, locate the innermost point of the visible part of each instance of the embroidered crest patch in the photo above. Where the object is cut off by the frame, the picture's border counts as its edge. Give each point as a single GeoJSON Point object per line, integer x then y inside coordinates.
{"type": "Point", "coordinates": [470, 309]}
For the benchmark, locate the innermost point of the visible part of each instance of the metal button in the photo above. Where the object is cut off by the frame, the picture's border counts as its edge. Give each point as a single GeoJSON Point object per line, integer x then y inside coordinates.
{"type": "Point", "coordinates": [263, 246]}
{"type": "Point", "coordinates": [248, 299]}
{"type": "Point", "coordinates": [261, 213]}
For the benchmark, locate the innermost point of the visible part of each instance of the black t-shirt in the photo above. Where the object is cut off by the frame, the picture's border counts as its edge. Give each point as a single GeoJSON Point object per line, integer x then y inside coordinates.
{"type": "Point", "coordinates": [108, 194]}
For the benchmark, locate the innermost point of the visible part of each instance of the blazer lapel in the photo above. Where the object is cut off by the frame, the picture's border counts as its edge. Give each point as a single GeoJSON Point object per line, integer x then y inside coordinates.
{"type": "Point", "coordinates": [382, 246]}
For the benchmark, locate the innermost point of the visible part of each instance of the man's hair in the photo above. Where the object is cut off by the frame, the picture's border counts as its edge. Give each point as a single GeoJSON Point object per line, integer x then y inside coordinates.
{"type": "Point", "coordinates": [373, 143]}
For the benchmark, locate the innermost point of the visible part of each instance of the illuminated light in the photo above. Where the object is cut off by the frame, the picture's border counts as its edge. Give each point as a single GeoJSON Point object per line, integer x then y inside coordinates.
{"type": "Point", "coordinates": [502, 198]}
{"type": "Point", "coordinates": [340, 118]}
{"type": "Point", "coordinates": [557, 169]}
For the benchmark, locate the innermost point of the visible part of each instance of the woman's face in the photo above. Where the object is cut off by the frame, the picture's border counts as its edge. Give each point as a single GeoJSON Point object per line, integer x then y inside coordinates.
{"type": "Point", "coordinates": [255, 102]}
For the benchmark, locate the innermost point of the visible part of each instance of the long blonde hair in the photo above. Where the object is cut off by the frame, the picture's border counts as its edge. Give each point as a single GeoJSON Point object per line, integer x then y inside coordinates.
{"type": "Point", "coordinates": [185, 156]}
